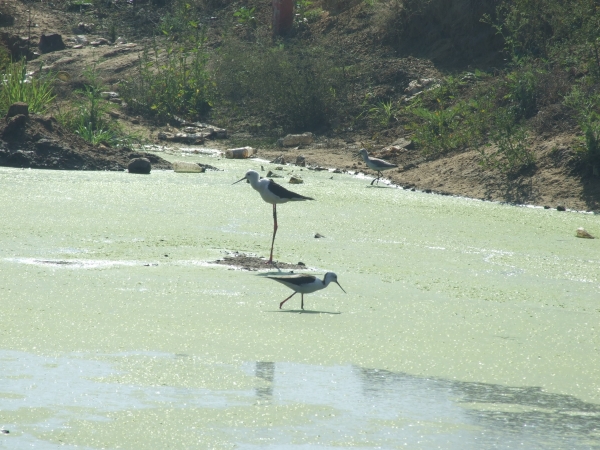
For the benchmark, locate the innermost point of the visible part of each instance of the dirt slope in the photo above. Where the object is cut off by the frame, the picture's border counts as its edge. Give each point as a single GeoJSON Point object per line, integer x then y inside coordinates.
{"type": "Point", "coordinates": [349, 24]}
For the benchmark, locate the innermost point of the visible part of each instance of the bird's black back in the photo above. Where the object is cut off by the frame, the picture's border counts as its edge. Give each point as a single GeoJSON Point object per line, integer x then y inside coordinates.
{"type": "Point", "coordinates": [282, 192]}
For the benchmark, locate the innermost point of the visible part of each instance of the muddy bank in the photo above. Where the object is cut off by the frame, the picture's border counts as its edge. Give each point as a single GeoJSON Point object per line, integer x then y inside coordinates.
{"type": "Point", "coordinates": [254, 263]}
{"type": "Point", "coordinates": [39, 142]}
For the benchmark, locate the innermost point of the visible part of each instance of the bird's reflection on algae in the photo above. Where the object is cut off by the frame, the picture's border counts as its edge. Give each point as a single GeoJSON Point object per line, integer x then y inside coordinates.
{"type": "Point", "coordinates": [433, 412]}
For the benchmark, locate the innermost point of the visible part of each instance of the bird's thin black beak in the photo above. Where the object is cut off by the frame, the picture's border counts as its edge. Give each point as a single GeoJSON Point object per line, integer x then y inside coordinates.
{"type": "Point", "coordinates": [340, 287]}
{"type": "Point", "coordinates": [239, 181]}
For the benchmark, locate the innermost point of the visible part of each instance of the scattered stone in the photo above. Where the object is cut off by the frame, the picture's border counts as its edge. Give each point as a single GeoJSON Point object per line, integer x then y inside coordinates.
{"type": "Point", "coordinates": [85, 27]}
{"type": "Point", "coordinates": [301, 161]}
{"type": "Point", "coordinates": [279, 160]}
{"type": "Point", "coordinates": [279, 168]}
{"type": "Point", "coordinates": [51, 43]}
{"type": "Point", "coordinates": [293, 140]}
{"type": "Point", "coordinates": [296, 180]}
{"type": "Point", "coordinates": [63, 76]}
{"type": "Point", "coordinates": [561, 208]}
{"type": "Point", "coordinates": [99, 41]}
{"type": "Point", "coordinates": [109, 95]}
{"type": "Point", "coordinates": [77, 46]}
{"type": "Point", "coordinates": [416, 87]}
{"type": "Point", "coordinates": [6, 20]}
{"type": "Point", "coordinates": [427, 191]}
{"type": "Point", "coordinates": [20, 158]}
{"type": "Point", "coordinates": [273, 175]}
{"type": "Point", "coordinates": [469, 77]}
{"type": "Point", "coordinates": [300, 263]}
{"type": "Point", "coordinates": [81, 39]}
{"type": "Point", "coordinates": [546, 207]}
{"type": "Point", "coordinates": [3, 431]}
{"type": "Point", "coordinates": [136, 121]}
{"type": "Point", "coordinates": [17, 108]}
{"type": "Point", "coordinates": [240, 153]}
{"type": "Point", "coordinates": [319, 236]}
{"type": "Point", "coordinates": [187, 167]}
{"type": "Point", "coordinates": [139, 165]}
{"type": "Point", "coordinates": [338, 171]}
{"type": "Point", "coordinates": [581, 233]}
{"type": "Point", "coordinates": [15, 125]}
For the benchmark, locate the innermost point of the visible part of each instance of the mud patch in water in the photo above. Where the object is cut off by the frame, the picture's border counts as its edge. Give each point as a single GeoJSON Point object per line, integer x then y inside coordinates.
{"type": "Point", "coordinates": [254, 263]}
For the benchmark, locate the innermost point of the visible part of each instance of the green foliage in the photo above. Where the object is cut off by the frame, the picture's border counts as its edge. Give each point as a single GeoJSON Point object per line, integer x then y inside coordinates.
{"type": "Point", "coordinates": [508, 139]}
{"type": "Point", "coordinates": [172, 82]}
{"type": "Point", "coordinates": [522, 91]}
{"type": "Point", "coordinates": [88, 117]}
{"type": "Point", "coordinates": [585, 104]}
{"type": "Point", "coordinates": [298, 86]}
{"type": "Point", "coordinates": [382, 113]}
{"type": "Point", "coordinates": [552, 29]}
{"type": "Point", "coordinates": [245, 16]}
{"type": "Point", "coordinates": [439, 130]}
{"type": "Point", "coordinates": [5, 58]}
{"type": "Point", "coordinates": [17, 86]}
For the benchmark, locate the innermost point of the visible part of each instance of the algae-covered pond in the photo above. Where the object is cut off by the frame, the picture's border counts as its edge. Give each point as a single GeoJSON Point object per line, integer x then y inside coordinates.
{"type": "Point", "coordinates": [466, 324]}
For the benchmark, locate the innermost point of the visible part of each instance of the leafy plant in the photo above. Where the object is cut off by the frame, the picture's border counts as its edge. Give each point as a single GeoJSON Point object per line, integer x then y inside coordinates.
{"type": "Point", "coordinates": [88, 117]}
{"type": "Point", "coordinates": [16, 85]}
{"type": "Point", "coordinates": [585, 103]}
{"type": "Point", "coordinates": [438, 131]}
{"type": "Point", "coordinates": [245, 16]}
{"type": "Point", "coordinates": [174, 82]}
{"type": "Point", "coordinates": [511, 152]}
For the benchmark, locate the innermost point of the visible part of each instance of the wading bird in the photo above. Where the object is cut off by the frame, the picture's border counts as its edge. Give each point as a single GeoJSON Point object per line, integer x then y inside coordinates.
{"type": "Point", "coordinates": [271, 193]}
{"type": "Point", "coordinates": [376, 164]}
{"type": "Point", "coordinates": [305, 284]}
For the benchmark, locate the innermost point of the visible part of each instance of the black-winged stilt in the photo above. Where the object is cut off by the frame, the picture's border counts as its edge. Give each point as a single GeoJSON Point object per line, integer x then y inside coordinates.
{"type": "Point", "coordinates": [376, 164]}
{"type": "Point", "coordinates": [271, 193]}
{"type": "Point", "coordinates": [305, 284]}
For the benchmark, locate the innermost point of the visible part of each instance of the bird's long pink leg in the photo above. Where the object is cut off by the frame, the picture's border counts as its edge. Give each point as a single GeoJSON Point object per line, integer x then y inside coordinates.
{"type": "Point", "coordinates": [274, 231]}
{"type": "Point", "coordinates": [281, 304]}
{"type": "Point", "coordinates": [302, 303]}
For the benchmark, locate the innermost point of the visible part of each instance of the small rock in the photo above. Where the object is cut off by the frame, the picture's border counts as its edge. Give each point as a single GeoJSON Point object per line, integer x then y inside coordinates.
{"type": "Point", "coordinates": [139, 165]}
{"type": "Point", "coordinates": [279, 168]}
{"type": "Point", "coordinates": [546, 207]}
{"type": "Point", "coordinates": [187, 167]}
{"type": "Point", "coordinates": [99, 41]}
{"type": "Point", "coordinates": [51, 43]}
{"type": "Point", "coordinates": [300, 161]}
{"type": "Point", "coordinates": [300, 263]}
{"type": "Point", "coordinates": [319, 236]}
{"type": "Point", "coordinates": [109, 95]}
{"type": "Point", "coordinates": [279, 160]}
{"type": "Point", "coordinates": [296, 180]}
{"type": "Point", "coordinates": [15, 125]}
{"type": "Point", "coordinates": [239, 153]}
{"type": "Point", "coordinates": [135, 121]}
{"type": "Point", "coordinates": [581, 233]}
{"type": "Point", "coordinates": [273, 175]}
{"type": "Point", "coordinates": [561, 208]}
{"type": "Point", "coordinates": [16, 109]}
{"type": "Point", "coordinates": [292, 140]}
{"type": "Point", "coordinates": [3, 431]}
{"type": "Point", "coordinates": [78, 46]}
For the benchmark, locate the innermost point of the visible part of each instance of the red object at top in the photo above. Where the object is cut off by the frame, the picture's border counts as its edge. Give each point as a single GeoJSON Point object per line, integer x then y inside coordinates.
{"type": "Point", "coordinates": [283, 16]}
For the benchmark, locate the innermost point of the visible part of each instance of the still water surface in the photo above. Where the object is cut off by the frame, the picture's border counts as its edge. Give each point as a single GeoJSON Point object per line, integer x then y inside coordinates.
{"type": "Point", "coordinates": [466, 324]}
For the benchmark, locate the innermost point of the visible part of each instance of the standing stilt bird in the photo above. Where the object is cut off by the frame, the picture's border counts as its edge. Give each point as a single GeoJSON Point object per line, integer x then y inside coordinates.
{"type": "Point", "coordinates": [305, 284]}
{"type": "Point", "coordinates": [376, 164]}
{"type": "Point", "coordinates": [271, 193]}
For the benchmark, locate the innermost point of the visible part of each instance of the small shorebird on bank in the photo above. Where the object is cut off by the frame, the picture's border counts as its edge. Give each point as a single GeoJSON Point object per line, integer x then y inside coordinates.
{"type": "Point", "coordinates": [305, 284]}
{"type": "Point", "coordinates": [376, 164]}
{"type": "Point", "coordinates": [271, 193]}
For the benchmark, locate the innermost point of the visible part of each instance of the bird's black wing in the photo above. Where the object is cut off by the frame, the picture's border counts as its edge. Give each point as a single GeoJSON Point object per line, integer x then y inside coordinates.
{"type": "Point", "coordinates": [282, 192]}
{"type": "Point", "coordinates": [297, 280]}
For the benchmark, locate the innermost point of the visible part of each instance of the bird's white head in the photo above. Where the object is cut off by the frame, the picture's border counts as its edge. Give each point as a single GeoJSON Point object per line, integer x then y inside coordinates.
{"type": "Point", "coordinates": [363, 153]}
{"type": "Point", "coordinates": [331, 277]}
{"type": "Point", "coordinates": [251, 176]}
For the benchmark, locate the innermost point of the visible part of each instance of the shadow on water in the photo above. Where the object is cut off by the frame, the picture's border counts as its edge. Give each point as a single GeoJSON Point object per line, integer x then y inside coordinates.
{"type": "Point", "coordinates": [435, 412]}
{"type": "Point", "coordinates": [303, 311]}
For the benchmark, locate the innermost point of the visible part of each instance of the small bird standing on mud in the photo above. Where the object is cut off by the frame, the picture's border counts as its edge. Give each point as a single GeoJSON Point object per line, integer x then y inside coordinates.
{"type": "Point", "coordinates": [271, 193]}
{"type": "Point", "coordinates": [305, 284]}
{"type": "Point", "coordinates": [378, 165]}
